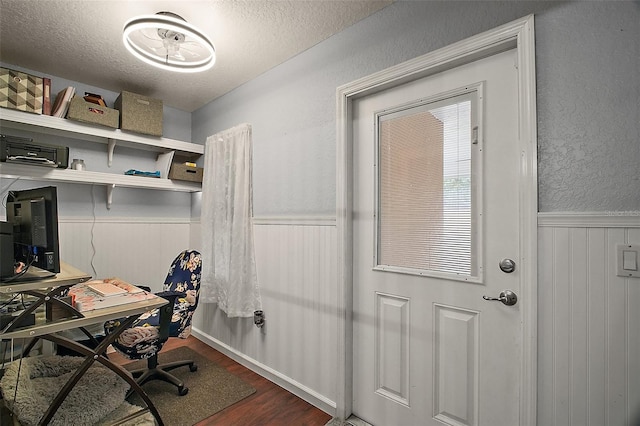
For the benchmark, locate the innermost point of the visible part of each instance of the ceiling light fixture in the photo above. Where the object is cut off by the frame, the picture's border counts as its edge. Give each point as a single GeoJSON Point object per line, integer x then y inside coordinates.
{"type": "Point", "coordinates": [165, 40]}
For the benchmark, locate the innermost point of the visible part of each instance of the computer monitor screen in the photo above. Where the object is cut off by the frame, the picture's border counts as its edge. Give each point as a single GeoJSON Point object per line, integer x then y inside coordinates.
{"type": "Point", "coordinates": [33, 213]}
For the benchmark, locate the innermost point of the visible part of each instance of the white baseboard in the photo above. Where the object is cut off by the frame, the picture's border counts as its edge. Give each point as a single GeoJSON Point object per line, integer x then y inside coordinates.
{"type": "Point", "coordinates": [270, 374]}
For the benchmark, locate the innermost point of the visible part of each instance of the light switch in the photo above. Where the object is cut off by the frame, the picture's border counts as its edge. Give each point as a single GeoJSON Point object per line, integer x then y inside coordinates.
{"type": "Point", "coordinates": [627, 260]}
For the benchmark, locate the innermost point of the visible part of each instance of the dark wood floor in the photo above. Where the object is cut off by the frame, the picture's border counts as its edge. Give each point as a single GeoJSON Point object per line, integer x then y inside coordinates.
{"type": "Point", "coordinates": [271, 405]}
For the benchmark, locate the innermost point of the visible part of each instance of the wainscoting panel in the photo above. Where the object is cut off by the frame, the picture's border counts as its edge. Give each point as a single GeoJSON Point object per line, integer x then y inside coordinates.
{"type": "Point", "coordinates": [588, 323]}
{"type": "Point", "coordinates": [296, 268]}
{"type": "Point", "coordinates": [588, 319]}
{"type": "Point", "coordinates": [137, 250]}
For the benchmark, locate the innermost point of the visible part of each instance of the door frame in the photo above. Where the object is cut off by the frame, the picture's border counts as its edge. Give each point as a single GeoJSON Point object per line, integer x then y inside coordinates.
{"type": "Point", "coordinates": [518, 34]}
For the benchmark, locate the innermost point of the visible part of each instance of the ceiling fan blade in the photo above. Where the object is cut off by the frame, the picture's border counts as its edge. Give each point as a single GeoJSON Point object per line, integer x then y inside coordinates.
{"type": "Point", "coordinates": [190, 53]}
{"type": "Point", "coordinates": [178, 56]}
{"type": "Point", "coordinates": [150, 34]}
{"type": "Point", "coordinates": [194, 50]}
{"type": "Point", "coordinates": [160, 51]}
{"type": "Point", "coordinates": [190, 43]}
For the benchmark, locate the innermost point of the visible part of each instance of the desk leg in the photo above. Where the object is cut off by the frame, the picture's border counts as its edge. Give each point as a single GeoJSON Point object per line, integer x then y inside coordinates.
{"type": "Point", "coordinates": [27, 349]}
{"type": "Point", "coordinates": [91, 357]}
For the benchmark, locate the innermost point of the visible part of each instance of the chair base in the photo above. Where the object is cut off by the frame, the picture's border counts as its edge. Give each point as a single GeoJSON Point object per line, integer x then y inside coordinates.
{"type": "Point", "coordinates": [161, 372]}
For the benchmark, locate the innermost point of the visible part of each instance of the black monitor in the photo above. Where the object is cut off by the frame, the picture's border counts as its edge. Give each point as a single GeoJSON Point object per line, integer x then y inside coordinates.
{"type": "Point", "coordinates": [33, 214]}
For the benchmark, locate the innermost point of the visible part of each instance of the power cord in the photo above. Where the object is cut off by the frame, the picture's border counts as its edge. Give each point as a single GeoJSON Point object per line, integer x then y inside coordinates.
{"type": "Point", "coordinates": [6, 188]}
{"type": "Point", "coordinates": [93, 225]}
{"type": "Point", "coordinates": [8, 302]}
{"type": "Point", "coordinates": [15, 392]}
{"type": "Point", "coordinates": [23, 270]}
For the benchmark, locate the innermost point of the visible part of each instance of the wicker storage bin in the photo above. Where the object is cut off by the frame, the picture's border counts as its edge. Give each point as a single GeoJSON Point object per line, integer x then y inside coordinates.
{"type": "Point", "coordinates": [86, 112]}
{"type": "Point", "coordinates": [185, 172]}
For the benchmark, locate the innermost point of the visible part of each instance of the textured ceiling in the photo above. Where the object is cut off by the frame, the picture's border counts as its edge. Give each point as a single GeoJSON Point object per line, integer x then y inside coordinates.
{"type": "Point", "coordinates": [82, 40]}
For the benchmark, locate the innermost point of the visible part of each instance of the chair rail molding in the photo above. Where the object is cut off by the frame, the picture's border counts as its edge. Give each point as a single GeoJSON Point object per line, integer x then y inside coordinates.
{"type": "Point", "coordinates": [125, 219]}
{"type": "Point", "coordinates": [295, 220]}
{"type": "Point", "coordinates": [607, 219]}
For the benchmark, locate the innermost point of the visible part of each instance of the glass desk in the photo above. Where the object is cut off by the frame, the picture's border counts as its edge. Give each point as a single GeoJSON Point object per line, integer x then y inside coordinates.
{"type": "Point", "coordinates": [45, 291]}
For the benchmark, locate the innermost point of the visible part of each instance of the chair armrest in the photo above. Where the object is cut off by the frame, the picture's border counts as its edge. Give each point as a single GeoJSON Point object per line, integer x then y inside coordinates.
{"type": "Point", "coordinates": [166, 312]}
{"type": "Point", "coordinates": [171, 295]}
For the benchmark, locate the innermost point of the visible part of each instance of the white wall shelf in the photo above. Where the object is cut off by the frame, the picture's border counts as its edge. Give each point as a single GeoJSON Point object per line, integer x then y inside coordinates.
{"type": "Point", "coordinates": [44, 124]}
{"type": "Point", "coordinates": [13, 119]}
{"type": "Point", "coordinates": [110, 180]}
{"type": "Point", "coordinates": [27, 172]}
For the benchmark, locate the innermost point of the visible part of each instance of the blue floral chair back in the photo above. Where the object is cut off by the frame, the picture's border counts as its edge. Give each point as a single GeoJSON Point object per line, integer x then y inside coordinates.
{"type": "Point", "coordinates": [144, 338]}
{"type": "Point", "coordinates": [184, 277]}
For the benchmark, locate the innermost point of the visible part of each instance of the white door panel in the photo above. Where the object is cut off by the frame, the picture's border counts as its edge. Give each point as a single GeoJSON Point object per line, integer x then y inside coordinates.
{"type": "Point", "coordinates": [428, 349]}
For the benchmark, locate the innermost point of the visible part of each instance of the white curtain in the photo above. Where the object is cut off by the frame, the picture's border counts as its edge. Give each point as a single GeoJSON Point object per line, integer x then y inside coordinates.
{"type": "Point", "coordinates": [228, 254]}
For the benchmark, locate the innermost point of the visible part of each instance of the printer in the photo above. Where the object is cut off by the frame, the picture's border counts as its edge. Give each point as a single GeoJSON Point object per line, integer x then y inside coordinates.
{"type": "Point", "coordinates": [14, 149]}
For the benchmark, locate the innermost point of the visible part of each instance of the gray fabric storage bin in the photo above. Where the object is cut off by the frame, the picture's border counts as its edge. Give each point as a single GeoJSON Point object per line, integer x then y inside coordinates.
{"type": "Point", "coordinates": [86, 112]}
{"type": "Point", "coordinates": [140, 114]}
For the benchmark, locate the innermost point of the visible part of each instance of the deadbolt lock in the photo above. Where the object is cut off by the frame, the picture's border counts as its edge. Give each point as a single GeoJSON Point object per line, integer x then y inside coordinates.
{"type": "Point", "coordinates": [507, 265]}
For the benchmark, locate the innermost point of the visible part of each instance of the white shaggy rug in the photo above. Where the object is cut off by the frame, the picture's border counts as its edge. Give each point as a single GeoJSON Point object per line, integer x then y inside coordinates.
{"type": "Point", "coordinates": [94, 399]}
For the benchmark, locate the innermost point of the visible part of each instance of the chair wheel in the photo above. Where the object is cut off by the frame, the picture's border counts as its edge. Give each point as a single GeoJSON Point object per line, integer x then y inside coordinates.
{"type": "Point", "coordinates": [182, 391]}
{"type": "Point", "coordinates": [193, 368]}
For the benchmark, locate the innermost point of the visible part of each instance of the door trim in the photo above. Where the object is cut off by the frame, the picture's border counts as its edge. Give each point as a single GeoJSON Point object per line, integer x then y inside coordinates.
{"type": "Point", "coordinates": [518, 34]}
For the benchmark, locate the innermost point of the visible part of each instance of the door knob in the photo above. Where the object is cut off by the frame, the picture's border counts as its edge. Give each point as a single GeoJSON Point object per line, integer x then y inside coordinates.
{"type": "Point", "coordinates": [507, 297]}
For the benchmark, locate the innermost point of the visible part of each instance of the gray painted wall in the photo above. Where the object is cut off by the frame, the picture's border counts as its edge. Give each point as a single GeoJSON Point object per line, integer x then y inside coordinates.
{"type": "Point", "coordinates": [588, 66]}
{"type": "Point", "coordinates": [78, 200]}
{"type": "Point", "coordinates": [588, 57]}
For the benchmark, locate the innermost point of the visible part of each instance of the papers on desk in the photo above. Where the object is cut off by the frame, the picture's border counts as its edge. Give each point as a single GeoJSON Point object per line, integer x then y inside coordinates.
{"type": "Point", "coordinates": [106, 289]}
{"type": "Point", "coordinates": [113, 287]}
{"type": "Point", "coordinates": [99, 294]}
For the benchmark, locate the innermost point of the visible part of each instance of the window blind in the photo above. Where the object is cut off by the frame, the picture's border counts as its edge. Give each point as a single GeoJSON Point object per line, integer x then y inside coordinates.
{"type": "Point", "coordinates": [424, 183]}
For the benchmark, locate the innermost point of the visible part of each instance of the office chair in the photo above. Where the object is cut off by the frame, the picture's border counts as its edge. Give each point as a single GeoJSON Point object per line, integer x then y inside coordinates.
{"type": "Point", "coordinates": [147, 335]}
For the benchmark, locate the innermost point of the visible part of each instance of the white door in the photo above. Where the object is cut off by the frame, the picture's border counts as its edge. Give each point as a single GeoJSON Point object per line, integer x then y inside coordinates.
{"type": "Point", "coordinates": [435, 203]}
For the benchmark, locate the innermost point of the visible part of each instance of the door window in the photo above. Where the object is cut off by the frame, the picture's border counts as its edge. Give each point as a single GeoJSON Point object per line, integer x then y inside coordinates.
{"type": "Point", "coordinates": [428, 215]}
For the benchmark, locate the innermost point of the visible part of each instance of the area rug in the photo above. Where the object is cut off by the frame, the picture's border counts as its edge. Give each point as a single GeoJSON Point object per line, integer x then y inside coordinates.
{"type": "Point", "coordinates": [211, 389]}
